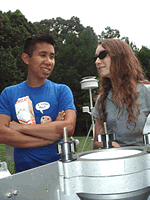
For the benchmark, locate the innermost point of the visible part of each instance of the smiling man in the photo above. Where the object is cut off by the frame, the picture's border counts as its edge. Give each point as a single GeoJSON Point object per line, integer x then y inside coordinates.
{"type": "Point", "coordinates": [24, 106]}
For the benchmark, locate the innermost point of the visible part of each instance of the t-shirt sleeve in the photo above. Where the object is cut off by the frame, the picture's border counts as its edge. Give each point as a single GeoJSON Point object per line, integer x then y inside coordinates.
{"type": "Point", "coordinates": [95, 112]}
{"type": "Point", "coordinates": [66, 100]}
{"type": "Point", "coordinates": [4, 103]}
{"type": "Point", "coordinates": [147, 93]}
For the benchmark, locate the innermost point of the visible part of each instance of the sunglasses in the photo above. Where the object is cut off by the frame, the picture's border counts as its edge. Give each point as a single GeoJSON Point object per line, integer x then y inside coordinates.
{"type": "Point", "coordinates": [101, 55]}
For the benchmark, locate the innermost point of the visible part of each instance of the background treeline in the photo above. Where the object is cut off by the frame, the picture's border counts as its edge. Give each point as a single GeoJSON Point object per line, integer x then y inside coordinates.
{"type": "Point", "coordinates": [75, 49]}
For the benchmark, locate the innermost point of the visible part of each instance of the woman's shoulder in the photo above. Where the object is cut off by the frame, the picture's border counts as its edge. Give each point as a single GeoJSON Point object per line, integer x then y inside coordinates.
{"type": "Point", "coordinates": [147, 86]}
{"type": "Point", "coordinates": [143, 91]}
{"type": "Point", "coordinates": [143, 87]}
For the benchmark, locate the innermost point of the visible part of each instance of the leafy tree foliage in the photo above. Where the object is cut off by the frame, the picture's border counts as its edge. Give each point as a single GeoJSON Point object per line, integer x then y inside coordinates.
{"type": "Point", "coordinates": [14, 30]}
{"type": "Point", "coordinates": [114, 33]}
{"type": "Point", "coordinates": [59, 27]}
{"type": "Point", "coordinates": [109, 33]}
{"type": "Point", "coordinates": [131, 44]}
{"type": "Point", "coordinates": [10, 74]}
{"type": "Point", "coordinates": [144, 58]}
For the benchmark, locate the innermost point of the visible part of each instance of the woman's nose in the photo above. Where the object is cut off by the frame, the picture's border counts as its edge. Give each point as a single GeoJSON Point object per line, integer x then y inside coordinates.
{"type": "Point", "coordinates": [98, 61]}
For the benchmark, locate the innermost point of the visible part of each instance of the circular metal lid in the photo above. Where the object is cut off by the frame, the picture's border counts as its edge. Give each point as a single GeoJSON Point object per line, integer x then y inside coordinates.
{"type": "Point", "coordinates": [115, 153]}
{"type": "Point", "coordinates": [89, 82]}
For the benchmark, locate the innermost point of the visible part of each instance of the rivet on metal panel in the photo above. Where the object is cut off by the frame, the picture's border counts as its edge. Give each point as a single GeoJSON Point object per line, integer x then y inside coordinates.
{"type": "Point", "coordinates": [9, 195]}
{"type": "Point", "coordinates": [15, 192]}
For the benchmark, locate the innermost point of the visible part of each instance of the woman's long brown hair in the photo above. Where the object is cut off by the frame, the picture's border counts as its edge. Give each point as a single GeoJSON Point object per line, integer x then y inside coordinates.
{"type": "Point", "coordinates": [125, 73]}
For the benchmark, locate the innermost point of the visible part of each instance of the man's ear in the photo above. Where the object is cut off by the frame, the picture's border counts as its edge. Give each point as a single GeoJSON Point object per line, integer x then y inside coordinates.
{"type": "Point", "coordinates": [25, 58]}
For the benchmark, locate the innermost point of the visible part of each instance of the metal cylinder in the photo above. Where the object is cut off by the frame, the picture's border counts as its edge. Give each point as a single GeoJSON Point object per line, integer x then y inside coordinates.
{"type": "Point", "coordinates": [146, 139]}
{"type": "Point", "coordinates": [66, 150]}
{"type": "Point", "coordinates": [65, 134]}
{"type": "Point", "coordinates": [135, 195]}
{"type": "Point", "coordinates": [106, 139]}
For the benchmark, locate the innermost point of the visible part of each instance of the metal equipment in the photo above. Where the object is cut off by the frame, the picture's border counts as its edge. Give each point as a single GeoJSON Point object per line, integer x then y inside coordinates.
{"type": "Point", "coordinates": [111, 173]}
{"type": "Point", "coordinates": [89, 83]}
{"type": "Point", "coordinates": [122, 173]}
{"type": "Point", "coordinates": [66, 149]}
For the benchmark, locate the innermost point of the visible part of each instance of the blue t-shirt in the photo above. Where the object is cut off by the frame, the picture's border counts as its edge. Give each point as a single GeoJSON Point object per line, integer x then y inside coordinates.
{"type": "Point", "coordinates": [38, 105]}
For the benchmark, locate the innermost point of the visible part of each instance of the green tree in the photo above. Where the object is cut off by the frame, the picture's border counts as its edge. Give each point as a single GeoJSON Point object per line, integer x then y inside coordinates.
{"type": "Point", "coordinates": [10, 74]}
{"type": "Point", "coordinates": [14, 30]}
{"type": "Point", "coordinates": [59, 27]}
{"type": "Point", "coordinates": [109, 33]}
{"type": "Point", "coordinates": [131, 44]}
{"type": "Point", "coordinates": [144, 57]}
{"type": "Point", "coordinates": [114, 33]}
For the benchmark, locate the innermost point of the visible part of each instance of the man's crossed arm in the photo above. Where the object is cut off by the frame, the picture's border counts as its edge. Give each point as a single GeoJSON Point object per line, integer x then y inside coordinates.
{"type": "Point", "coordinates": [35, 135]}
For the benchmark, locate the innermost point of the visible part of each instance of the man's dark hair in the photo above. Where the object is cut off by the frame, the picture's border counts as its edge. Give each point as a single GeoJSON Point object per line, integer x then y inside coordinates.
{"type": "Point", "coordinates": [30, 43]}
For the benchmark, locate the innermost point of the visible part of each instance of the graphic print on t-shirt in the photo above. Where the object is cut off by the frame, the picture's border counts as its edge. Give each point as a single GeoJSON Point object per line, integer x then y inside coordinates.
{"type": "Point", "coordinates": [24, 111]}
{"type": "Point", "coordinates": [45, 119]}
{"type": "Point", "coordinates": [42, 106]}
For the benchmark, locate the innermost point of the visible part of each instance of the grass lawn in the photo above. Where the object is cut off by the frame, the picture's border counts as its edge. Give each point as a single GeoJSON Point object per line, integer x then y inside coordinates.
{"type": "Point", "coordinates": [79, 148]}
{"type": "Point", "coordinates": [82, 140]}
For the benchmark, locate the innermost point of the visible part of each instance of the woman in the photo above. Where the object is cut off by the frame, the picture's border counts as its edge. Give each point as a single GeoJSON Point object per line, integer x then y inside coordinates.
{"type": "Point", "coordinates": [124, 100]}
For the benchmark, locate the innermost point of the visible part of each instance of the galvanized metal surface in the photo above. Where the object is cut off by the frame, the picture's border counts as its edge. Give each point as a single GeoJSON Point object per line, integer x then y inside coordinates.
{"type": "Point", "coordinates": [4, 172]}
{"type": "Point", "coordinates": [121, 178]}
{"type": "Point", "coordinates": [39, 183]}
{"type": "Point", "coordinates": [107, 176]}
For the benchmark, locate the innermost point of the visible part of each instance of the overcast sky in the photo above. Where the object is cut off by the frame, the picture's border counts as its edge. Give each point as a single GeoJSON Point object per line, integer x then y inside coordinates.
{"type": "Point", "coordinates": [130, 17]}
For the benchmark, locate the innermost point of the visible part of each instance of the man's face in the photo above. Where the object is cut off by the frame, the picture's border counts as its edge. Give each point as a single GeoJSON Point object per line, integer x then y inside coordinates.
{"type": "Point", "coordinates": [41, 64]}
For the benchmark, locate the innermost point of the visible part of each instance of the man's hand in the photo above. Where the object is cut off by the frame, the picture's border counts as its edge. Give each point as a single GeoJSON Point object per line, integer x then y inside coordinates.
{"type": "Point", "coordinates": [47, 119]}
{"type": "Point", "coordinates": [60, 116]}
{"type": "Point", "coordinates": [15, 126]}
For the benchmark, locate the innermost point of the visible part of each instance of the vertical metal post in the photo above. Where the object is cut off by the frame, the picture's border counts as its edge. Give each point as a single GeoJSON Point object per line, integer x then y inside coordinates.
{"type": "Point", "coordinates": [91, 104]}
{"type": "Point", "coordinates": [65, 135]}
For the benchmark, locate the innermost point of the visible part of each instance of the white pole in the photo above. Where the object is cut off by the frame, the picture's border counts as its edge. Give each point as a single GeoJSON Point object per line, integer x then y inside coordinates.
{"type": "Point", "coordinates": [91, 103]}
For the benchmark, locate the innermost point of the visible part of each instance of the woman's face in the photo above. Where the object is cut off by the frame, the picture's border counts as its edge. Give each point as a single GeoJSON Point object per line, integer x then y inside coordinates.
{"type": "Point", "coordinates": [103, 65]}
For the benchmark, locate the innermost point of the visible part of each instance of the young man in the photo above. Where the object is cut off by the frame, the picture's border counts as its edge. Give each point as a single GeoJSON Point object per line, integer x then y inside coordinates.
{"type": "Point", "coordinates": [26, 108]}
